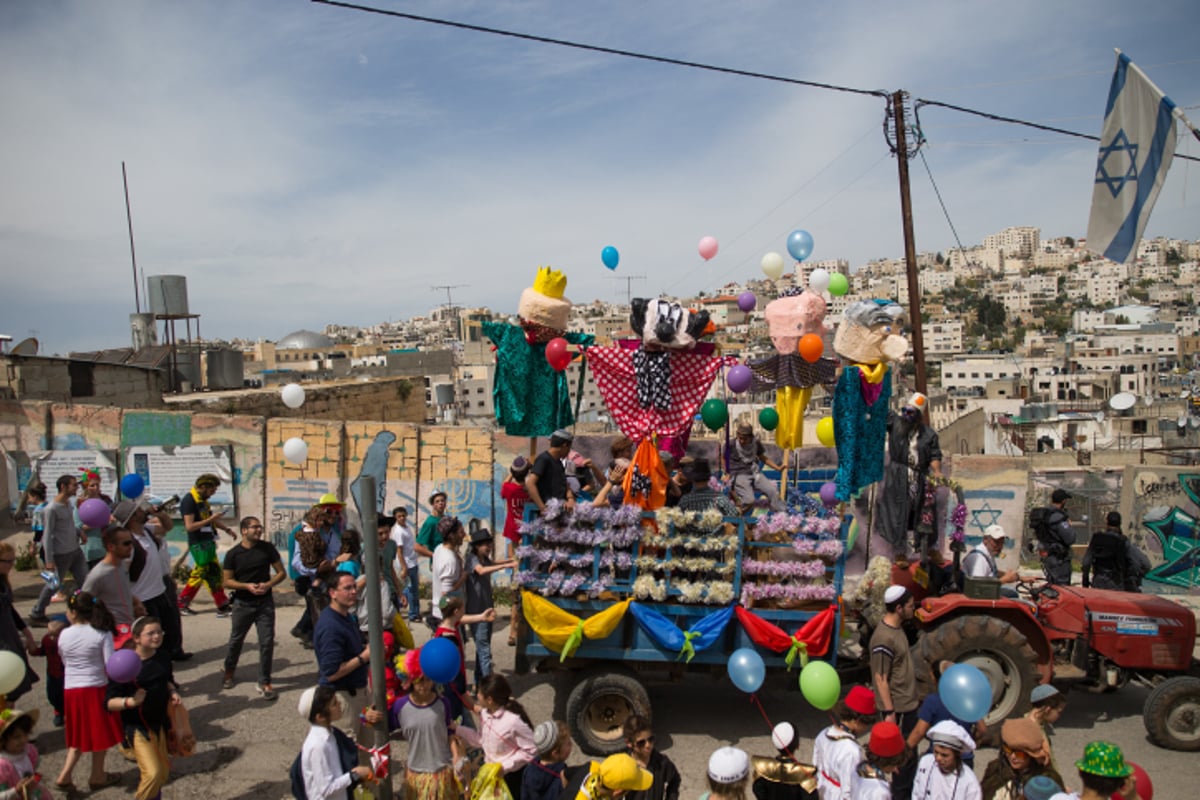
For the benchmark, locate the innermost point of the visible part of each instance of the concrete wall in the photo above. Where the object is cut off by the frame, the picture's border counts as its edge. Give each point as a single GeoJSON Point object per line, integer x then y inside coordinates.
{"type": "Point", "coordinates": [386, 399]}
{"type": "Point", "coordinates": [43, 378]}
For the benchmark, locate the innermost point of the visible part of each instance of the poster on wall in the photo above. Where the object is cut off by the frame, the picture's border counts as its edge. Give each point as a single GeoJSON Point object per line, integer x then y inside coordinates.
{"type": "Point", "coordinates": [170, 471]}
{"type": "Point", "coordinates": [50, 464]}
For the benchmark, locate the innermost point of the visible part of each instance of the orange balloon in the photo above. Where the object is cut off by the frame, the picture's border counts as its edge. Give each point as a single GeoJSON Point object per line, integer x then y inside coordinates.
{"type": "Point", "coordinates": [811, 347]}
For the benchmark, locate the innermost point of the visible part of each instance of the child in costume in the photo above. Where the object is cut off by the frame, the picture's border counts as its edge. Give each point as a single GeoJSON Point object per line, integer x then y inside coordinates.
{"type": "Point", "coordinates": [639, 743]}
{"type": "Point", "coordinates": [1104, 772]}
{"type": "Point", "coordinates": [546, 775]}
{"type": "Point", "coordinates": [728, 774]}
{"type": "Point", "coordinates": [48, 648]}
{"type": "Point", "coordinates": [836, 752]}
{"type": "Point", "coordinates": [321, 758]}
{"type": "Point", "coordinates": [480, 568]}
{"type": "Point", "coordinates": [19, 778]}
{"type": "Point", "coordinates": [941, 773]}
{"type": "Point", "coordinates": [423, 719]}
{"type": "Point", "coordinates": [886, 754]}
{"type": "Point", "coordinates": [506, 734]}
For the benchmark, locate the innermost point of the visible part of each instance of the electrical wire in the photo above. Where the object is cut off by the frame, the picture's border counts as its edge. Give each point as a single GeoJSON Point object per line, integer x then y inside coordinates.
{"type": "Point", "coordinates": [529, 37]}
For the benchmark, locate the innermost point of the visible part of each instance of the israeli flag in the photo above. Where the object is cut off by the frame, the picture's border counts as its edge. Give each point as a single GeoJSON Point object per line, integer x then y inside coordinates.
{"type": "Point", "coordinates": [1136, 148]}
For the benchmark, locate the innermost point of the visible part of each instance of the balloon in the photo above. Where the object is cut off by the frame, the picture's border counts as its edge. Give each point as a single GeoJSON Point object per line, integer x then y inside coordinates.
{"type": "Point", "coordinates": [746, 669]}
{"type": "Point", "coordinates": [820, 684]}
{"type": "Point", "coordinates": [94, 513]}
{"type": "Point", "coordinates": [1141, 781]}
{"type": "Point", "coordinates": [769, 419]}
{"type": "Point", "coordinates": [747, 301]}
{"type": "Point", "coordinates": [852, 534]}
{"type": "Point", "coordinates": [123, 666]}
{"type": "Point", "coordinates": [739, 378]}
{"type": "Point", "coordinates": [838, 284]}
{"type": "Point", "coordinates": [610, 257]}
{"type": "Point", "coordinates": [715, 413]}
{"type": "Point", "coordinates": [295, 450]}
{"type": "Point", "coordinates": [440, 660]}
{"type": "Point", "coordinates": [292, 395]}
{"type": "Point", "coordinates": [12, 671]}
{"type": "Point", "coordinates": [818, 280]}
{"type": "Point", "coordinates": [132, 486]}
{"type": "Point", "coordinates": [965, 692]}
{"type": "Point", "coordinates": [707, 247]}
{"type": "Point", "coordinates": [800, 244]}
{"type": "Point", "coordinates": [812, 347]}
{"type": "Point", "coordinates": [772, 265]}
{"type": "Point", "coordinates": [825, 431]}
{"type": "Point", "coordinates": [557, 354]}
{"type": "Point", "coordinates": [829, 493]}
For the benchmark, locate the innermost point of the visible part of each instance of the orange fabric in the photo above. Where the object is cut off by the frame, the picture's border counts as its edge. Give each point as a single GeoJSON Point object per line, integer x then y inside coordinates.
{"type": "Point", "coordinates": [646, 464]}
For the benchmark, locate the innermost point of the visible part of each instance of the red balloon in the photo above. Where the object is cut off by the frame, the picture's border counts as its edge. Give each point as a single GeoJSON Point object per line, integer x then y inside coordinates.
{"type": "Point", "coordinates": [1145, 789]}
{"type": "Point", "coordinates": [557, 354]}
{"type": "Point", "coordinates": [811, 347]}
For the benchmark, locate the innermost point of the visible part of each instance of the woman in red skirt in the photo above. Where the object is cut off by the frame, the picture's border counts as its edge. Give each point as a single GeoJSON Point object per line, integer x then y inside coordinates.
{"type": "Point", "coordinates": [90, 727]}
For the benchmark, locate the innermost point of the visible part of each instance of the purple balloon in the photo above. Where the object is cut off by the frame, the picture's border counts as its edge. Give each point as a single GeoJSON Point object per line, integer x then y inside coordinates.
{"type": "Point", "coordinates": [739, 379]}
{"type": "Point", "coordinates": [94, 513]}
{"type": "Point", "coordinates": [747, 301]}
{"type": "Point", "coordinates": [123, 666]}
{"type": "Point", "coordinates": [829, 493]}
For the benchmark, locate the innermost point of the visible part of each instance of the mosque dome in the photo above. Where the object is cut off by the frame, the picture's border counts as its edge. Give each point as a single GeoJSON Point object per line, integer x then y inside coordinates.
{"type": "Point", "coordinates": [304, 340]}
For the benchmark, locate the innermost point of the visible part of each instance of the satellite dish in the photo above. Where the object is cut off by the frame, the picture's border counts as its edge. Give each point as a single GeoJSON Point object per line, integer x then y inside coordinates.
{"type": "Point", "coordinates": [1123, 401]}
{"type": "Point", "coordinates": [1194, 422]}
{"type": "Point", "coordinates": [25, 347]}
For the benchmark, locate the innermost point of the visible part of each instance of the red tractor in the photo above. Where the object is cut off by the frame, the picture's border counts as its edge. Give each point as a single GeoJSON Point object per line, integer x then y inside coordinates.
{"type": "Point", "coordinates": [1105, 638]}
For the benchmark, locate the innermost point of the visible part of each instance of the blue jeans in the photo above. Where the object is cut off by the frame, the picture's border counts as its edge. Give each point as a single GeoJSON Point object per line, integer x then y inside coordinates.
{"type": "Point", "coordinates": [260, 614]}
{"type": "Point", "coordinates": [481, 632]}
{"type": "Point", "coordinates": [412, 591]}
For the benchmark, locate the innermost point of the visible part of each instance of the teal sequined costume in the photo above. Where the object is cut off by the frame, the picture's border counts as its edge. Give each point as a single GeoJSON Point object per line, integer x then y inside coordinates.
{"type": "Point", "coordinates": [860, 429]}
{"type": "Point", "coordinates": [530, 398]}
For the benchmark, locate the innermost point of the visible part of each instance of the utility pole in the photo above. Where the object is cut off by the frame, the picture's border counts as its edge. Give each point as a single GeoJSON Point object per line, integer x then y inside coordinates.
{"type": "Point", "coordinates": [629, 279]}
{"type": "Point", "coordinates": [901, 150]}
{"type": "Point", "coordinates": [137, 302]}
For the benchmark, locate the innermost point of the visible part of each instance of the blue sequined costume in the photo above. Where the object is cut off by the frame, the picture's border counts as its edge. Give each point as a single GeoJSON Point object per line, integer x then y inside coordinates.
{"type": "Point", "coordinates": [860, 430]}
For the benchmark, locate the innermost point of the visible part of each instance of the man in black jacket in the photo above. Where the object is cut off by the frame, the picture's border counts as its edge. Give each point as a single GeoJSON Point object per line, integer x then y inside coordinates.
{"type": "Point", "coordinates": [1112, 561]}
{"type": "Point", "coordinates": [1055, 538]}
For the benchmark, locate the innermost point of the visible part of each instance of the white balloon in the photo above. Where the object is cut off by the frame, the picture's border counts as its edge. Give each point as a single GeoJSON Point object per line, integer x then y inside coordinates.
{"type": "Point", "coordinates": [818, 280]}
{"type": "Point", "coordinates": [772, 266]}
{"type": "Point", "coordinates": [295, 450]}
{"type": "Point", "coordinates": [292, 395]}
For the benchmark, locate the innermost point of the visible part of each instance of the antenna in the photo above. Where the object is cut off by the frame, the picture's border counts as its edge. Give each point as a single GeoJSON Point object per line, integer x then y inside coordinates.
{"type": "Point", "coordinates": [137, 302]}
{"type": "Point", "coordinates": [629, 279]}
{"type": "Point", "coordinates": [449, 299]}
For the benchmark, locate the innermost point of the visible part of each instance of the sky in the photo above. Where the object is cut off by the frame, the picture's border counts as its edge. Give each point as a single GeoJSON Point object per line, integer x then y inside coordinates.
{"type": "Point", "coordinates": [303, 164]}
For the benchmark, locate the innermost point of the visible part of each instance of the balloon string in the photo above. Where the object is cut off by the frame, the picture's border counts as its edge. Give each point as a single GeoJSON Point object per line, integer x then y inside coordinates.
{"type": "Point", "coordinates": [787, 749]}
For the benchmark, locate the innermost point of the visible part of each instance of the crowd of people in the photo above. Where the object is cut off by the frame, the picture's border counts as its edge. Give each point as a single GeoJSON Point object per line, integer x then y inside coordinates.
{"type": "Point", "coordinates": [127, 601]}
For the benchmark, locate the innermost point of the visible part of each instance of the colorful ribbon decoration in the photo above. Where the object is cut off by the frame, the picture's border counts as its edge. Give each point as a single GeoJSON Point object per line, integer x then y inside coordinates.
{"type": "Point", "coordinates": [562, 631]}
{"type": "Point", "coordinates": [666, 635]}
{"type": "Point", "coordinates": [812, 639]}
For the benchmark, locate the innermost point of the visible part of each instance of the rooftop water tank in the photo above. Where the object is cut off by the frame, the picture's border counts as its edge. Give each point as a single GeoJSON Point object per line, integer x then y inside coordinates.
{"type": "Point", "coordinates": [168, 295]}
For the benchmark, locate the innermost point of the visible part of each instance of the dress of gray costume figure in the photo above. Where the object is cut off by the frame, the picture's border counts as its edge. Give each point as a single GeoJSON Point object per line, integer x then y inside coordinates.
{"type": "Point", "coordinates": [912, 447]}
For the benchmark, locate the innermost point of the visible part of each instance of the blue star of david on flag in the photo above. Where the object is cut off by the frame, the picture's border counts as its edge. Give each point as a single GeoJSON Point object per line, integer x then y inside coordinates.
{"type": "Point", "coordinates": [985, 516]}
{"type": "Point", "coordinates": [1120, 148]}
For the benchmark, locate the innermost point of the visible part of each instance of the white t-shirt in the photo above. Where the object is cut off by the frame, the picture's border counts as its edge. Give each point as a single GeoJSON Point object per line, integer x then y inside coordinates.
{"type": "Point", "coordinates": [406, 542]}
{"type": "Point", "coordinates": [84, 652]}
{"type": "Point", "coordinates": [149, 583]}
{"type": "Point", "coordinates": [447, 569]}
{"type": "Point", "coordinates": [979, 563]}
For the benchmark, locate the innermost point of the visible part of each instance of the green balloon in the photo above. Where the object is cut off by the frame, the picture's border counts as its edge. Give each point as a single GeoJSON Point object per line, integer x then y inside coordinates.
{"type": "Point", "coordinates": [769, 419]}
{"type": "Point", "coordinates": [838, 284]}
{"type": "Point", "coordinates": [715, 413]}
{"type": "Point", "coordinates": [820, 684]}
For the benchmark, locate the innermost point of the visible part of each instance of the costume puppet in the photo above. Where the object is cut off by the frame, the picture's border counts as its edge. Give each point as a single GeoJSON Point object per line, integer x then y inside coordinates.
{"type": "Point", "coordinates": [868, 339]}
{"type": "Point", "coordinates": [530, 397]}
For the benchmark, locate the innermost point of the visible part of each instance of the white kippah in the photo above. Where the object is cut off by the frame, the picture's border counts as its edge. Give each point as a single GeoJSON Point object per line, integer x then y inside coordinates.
{"type": "Point", "coordinates": [894, 593]}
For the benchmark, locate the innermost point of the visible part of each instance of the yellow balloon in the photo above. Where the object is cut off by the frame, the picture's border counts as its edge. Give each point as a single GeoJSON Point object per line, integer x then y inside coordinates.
{"type": "Point", "coordinates": [825, 431]}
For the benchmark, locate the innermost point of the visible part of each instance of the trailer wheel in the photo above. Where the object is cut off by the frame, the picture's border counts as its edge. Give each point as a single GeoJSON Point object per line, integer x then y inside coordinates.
{"type": "Point", "coordinates": [1172, 713]}
{"type": "Point", "coordinates": [598, 706]}
{"type": "Point", "coordinates": [998, 649]}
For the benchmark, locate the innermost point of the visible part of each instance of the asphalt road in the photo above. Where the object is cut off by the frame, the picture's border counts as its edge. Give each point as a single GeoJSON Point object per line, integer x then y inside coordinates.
{"type": "Point", "coordinates": [246, 744]}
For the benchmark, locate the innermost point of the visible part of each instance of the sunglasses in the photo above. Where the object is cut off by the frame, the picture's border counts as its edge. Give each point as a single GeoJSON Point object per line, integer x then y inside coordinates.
{"type": "Point", "coordinates": [649, 740]}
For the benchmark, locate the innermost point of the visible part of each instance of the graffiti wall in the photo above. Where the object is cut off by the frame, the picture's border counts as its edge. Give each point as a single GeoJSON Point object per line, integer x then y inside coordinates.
{"type": "Point", "coordinates": [1160, 511]}
{"type": "Point", "coordinates": [292, 489]}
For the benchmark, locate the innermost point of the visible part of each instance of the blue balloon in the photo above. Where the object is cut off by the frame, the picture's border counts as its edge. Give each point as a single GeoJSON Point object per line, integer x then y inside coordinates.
{"type": "Point", "coordinates": [610, 257]}
{"type": "Point", "coordinates": [132, 486]}
{"type": "Point", "coordinates": [746, 669]}
{"type": "Point", "coordinates": [800, 244]}
{"type": "Point", "coordinates": [966, 692]}
{"type": "Point", "coordinates": [440, 660]}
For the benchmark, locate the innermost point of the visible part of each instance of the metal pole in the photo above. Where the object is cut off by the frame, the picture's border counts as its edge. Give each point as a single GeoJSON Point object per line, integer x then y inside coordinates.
{"type": "Point", "coordinates": [910, 245]}
{"type": "Point", "coordinates": [370, 539]}
{"type": "Point", "coordinates": [137, 302]}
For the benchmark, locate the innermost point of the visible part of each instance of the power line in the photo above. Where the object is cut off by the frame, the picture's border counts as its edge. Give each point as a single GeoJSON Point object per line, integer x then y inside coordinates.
{"type": "Point", "coordinates": [599, 49]}
{"type": "Point", "coordinates": [941, 202]}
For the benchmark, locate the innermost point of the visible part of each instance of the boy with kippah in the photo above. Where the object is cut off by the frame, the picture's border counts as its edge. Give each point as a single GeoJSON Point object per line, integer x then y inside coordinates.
{"type": "Point", "coordinates": [545, 778]}
{"type": "Point", "coordinates": [836, 752]}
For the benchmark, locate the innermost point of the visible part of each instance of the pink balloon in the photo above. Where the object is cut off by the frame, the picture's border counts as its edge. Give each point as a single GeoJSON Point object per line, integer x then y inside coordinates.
{"type": "Point", "coordinates": [123, 666]}
{"type": "Point", "coordinates": [707, 247]}
{"type": "Point", "coordinates": [94, 513]}
{"type": "Point", "coordinates": [739, 378]}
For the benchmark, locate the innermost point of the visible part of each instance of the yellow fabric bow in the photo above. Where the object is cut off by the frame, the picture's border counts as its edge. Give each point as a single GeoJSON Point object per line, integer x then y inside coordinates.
{"type": "Point", "coordinates": [562, 631]}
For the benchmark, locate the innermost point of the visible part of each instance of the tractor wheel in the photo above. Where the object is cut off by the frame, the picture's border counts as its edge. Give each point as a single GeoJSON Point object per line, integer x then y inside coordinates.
{"type": "Point", "coordinates": [998, 649]}
{"type": "Point", "coordinates": [1172, 713]}
{"type": "Point", "coordinates": [598, 706]}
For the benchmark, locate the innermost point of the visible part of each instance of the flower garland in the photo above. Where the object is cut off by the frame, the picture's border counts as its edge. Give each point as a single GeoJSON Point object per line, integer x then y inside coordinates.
{"type": "Point", "coordinates": [867, 594]}
{"type": "Point", "coordinates": [646, 587]}
{"type": "Point", "coordinates": [707, 520]}
{"type": "Point", "coordinates": [785, 569]}
{"type": "Point", "coordinates": [793, 592]}
{"type": "Point", "coordinates": [702, 544]}
{"type": "Point", "coordinates": [807, 524]}
{"type": "Point", "coordinates": [688, 564]}
{"type": "Point", "coordinates": [826, 548]}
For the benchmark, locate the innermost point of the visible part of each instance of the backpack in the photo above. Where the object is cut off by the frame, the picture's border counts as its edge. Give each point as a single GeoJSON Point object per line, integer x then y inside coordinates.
{"type": "Point", "coordinates": [1042, 522]}
{"type": "Point", "coordinates": [1039, 523]}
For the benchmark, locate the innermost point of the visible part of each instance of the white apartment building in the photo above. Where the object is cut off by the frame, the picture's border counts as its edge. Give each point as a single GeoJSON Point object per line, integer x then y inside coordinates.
{"type": "Point", "coordinates": [969, 375]}
{"type": "Point", "coordinates": [942, 338]}
{"type": "Point", "coordinates": [1021, 242]}
{"type": "Point", "coordinates": [1087, 320]}
{"type": "Point", "coordinates": [1103, 290]}
{"type": "Point", "coordinates": [1053, 259]}
{"type": "Point", "coordinates": [935, 281]}
{"type": "Point", "coordinates": [1017, 301]}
